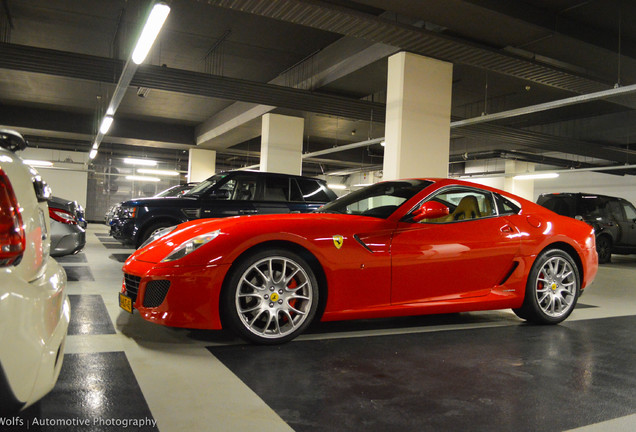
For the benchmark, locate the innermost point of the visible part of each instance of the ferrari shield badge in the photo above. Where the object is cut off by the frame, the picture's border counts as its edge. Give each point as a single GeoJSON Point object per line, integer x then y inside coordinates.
{"type": "Point", "coordinates": [337, 241]}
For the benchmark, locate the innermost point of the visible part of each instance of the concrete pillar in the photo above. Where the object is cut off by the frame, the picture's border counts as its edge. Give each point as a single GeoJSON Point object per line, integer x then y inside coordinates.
{"type": "Point", "coordinates": [201, 164]}
{"type": "Point", "coordinates": [282, 144]}
{"type": "Point", "coordinates": [523, 188]}
{"type": "Point", "coordinates": [418, 110]}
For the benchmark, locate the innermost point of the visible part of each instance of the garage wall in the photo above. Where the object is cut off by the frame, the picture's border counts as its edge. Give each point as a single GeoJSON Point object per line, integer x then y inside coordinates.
{"type": "Point", "coordinates": [68, 178]}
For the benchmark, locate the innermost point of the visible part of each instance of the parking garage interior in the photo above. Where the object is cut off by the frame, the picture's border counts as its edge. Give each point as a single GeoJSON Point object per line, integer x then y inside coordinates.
{"type": "Point", "coordinates": [537, 86]}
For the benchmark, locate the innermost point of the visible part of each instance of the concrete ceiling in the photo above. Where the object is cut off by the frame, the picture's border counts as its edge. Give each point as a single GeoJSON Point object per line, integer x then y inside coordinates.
{"type": "Point", "coordinates": [218, 65]}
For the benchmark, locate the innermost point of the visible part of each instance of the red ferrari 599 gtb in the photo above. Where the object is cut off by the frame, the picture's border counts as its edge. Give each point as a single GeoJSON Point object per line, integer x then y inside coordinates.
{"type": "Point", "coordinates": [396, 248]}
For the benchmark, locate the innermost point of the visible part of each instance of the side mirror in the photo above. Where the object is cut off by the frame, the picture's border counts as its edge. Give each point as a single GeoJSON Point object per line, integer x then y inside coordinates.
{"type": "Point", "coordinates": [430, 210]}
{"type": "Point", "coordinates": [12, 140]}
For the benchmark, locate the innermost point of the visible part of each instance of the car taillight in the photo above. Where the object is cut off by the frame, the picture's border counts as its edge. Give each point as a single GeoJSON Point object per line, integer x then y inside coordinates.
{"type": "Point", "coordinates": [12, 235]}
{"type": "Point", "coordinates": [62, 216]}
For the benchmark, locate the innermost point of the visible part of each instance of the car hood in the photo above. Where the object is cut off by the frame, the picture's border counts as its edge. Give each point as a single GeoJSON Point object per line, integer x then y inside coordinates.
{"type": "Point", "coordinates": [250, 230]}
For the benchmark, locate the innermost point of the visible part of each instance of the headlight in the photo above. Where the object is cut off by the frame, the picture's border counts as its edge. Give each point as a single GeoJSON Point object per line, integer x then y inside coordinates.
{"type": "Point", "coordinates": [158, 234]}
{"type": "Point", "coordinates": [127, 212]}
{"type": "Point", "coordinates": [191, 245]}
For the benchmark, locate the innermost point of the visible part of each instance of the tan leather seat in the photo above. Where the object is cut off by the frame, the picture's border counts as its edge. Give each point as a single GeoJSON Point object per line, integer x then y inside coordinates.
{"type": "Point", "coordinates": [468, 208]}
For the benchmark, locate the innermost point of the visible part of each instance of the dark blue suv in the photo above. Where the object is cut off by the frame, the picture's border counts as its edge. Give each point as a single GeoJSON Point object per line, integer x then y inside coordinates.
{"type": "Point", "coordinates": [226, 194]}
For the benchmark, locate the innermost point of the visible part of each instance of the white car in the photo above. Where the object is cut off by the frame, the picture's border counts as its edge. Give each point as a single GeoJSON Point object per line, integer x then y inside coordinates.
{"type": "Point", "coordinates": [34, 307]}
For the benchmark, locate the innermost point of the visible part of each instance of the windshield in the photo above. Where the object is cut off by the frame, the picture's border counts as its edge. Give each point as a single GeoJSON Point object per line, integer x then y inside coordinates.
{"type": "Point", "coordinates": [205, 185]}
{"type": "Point", "coordinates": [379, 200]}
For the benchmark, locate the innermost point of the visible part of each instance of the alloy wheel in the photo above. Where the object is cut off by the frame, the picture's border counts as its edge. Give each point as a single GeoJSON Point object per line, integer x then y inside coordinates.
{"type": "Point", "coordinates": [556, 287]}
{"type": "Point", "coordinates": [274, 297]}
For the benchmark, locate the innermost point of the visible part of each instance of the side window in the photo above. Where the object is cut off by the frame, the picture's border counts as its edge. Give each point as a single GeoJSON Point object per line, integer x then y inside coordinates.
{"type": "Point", "coordinates": [630, 212]}
{"type": "Point", "coordinates": [276, 188]}
{"type": "Point", "coordinates": [228, 187]}
{"type": "Point", "coordinates": [245, 189]}
{"type": "Point", "coordinates": [240, 187]}
{"type": "Point", "coordinates": [312, 190]}
{"type": "Point", "coordinates": [615, 210]}
{"type": "Point", "coordinates": [464, 204]}
{"type": "Point", "coordinates": [505, 206]}
{"type": "Point", "coordinates": [294, 191]}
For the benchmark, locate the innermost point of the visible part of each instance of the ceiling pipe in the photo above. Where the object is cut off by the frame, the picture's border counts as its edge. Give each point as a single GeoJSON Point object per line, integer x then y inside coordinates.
{"type": "Point", "coordinates": [604, 94]}
{"type": "Point", "coordinates": [343, 148]}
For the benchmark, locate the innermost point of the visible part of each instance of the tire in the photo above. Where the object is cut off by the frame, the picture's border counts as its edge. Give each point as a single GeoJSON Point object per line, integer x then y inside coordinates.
{"type": "Point", "coordinates": [552, 289]}
{"type": "Point", "coordinates": [147, 232]}
{"type": "Point", "coordinates": [604, 249]}
{"type": "Point", "coordinates": [268, 309]}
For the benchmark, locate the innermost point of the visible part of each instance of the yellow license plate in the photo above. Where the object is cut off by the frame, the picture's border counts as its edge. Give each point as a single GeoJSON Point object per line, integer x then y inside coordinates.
{"type": "Point", "coordinates": [125, 303]}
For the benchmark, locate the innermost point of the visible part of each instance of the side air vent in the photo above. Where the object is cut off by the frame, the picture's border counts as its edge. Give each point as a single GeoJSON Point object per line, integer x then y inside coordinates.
{"type": "Point", "coordinates": [512, 269]}
{"type": "Point", "coordinates": [192, 213]}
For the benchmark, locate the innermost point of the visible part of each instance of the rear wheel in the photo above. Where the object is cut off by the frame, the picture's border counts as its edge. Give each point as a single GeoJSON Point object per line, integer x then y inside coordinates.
{"type": "Point", "coordinates": [552, 289]}
{"type": "Point", "coordinates": [604, 249]}
{"type": "Point", "coordinates": [270, 297]}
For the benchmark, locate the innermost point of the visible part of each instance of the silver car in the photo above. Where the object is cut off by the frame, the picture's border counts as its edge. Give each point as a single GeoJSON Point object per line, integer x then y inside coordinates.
{"type": "Point", "coordinates": [68, 233]}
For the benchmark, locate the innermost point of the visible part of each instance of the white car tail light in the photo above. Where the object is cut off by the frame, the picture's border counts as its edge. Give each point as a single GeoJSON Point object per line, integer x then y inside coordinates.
{"type": "Point", "coordinates": [62, 216]}
{"type": "Point", "coordinates": [12, 236]}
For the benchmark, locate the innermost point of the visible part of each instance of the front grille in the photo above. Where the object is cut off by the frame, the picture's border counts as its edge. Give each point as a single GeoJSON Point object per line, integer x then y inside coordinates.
{"type": "Point", "coordinates": [156, 292]}
{"type": "Point", "coordinates": [132, 286]}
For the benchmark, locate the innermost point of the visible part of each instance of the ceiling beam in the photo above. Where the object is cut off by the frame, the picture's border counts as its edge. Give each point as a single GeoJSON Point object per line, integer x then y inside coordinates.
{"type": "Point", "coordinates": [559, 22]}
{"type": "Point", "coordinates": [93, 68]}
{"type": "Point", "coordinates": [339, 59]}
{"type": "Point", "coordinates": [341, 20]}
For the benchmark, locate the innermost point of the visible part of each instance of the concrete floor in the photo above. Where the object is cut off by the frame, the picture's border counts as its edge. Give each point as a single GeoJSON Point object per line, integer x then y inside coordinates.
{"type": "Point", "coordinates": [473, 371]}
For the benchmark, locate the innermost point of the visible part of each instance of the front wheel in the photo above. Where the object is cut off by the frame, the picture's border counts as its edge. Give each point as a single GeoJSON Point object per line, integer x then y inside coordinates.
{"type": "Point", "coordinates": [270, 297]}
{"type": "Point", "coordinates": [552, 289]}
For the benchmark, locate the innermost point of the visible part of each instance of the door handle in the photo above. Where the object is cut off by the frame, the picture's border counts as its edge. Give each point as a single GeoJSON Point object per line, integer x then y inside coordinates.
{"type": "Point", "coordinates": [244, 212]}
{"type": "Point", "coordinates": [507, 229]}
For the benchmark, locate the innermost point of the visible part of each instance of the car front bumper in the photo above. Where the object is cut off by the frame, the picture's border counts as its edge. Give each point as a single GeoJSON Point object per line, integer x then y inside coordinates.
{"type": "Point", "coordinates": [34, 318]}
{"type": "Point", "coordinates": [66, 239]}
{"type": "Point", "coordinates": [123, 230]}
{"type": "Point", "coordinates": [175, 296]}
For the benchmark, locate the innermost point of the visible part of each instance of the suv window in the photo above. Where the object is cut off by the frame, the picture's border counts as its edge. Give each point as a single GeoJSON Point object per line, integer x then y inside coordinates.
{"type": "Point", "coordinates": [312, 190]}
{"type": "Point", "coordinates": [630, 212]}
{"type": "Point", "coordinates": [615, 210]}
{"type": "Point", "coordinates": [593, 207]}
{"type": "Point", "coordinates": [564, 205]}
{"type": "Point", "coordinates": [276, 188]}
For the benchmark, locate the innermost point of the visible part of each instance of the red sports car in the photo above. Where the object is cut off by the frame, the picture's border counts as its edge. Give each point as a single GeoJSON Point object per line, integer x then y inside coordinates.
{"type": "Point", "coordinates": [396, 248]}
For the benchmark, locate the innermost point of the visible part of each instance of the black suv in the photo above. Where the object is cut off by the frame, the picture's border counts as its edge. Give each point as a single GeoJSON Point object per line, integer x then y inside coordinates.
{"type": "Point", "coordinates": [226, 194]}
{"type": "Point", "coordinates": [613, 219]}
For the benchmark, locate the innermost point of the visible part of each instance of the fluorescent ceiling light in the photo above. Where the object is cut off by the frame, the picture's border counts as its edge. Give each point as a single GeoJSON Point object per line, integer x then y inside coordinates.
{"type": "Point", "coordinates": [151, 29]}
{"type": "Point", "coordinates": [143, 178]}
{"type": "Point", "coordinates": [362, 184]}
{"type": "Point", "coordinates": [38, 163]}
{"type": "Point", "coordinates": [105, 126]}
{"type": "Point", "coordinates": [144, 162]}
{"type": "Point", "coordinates": [536, 176]}
{"type": "Point", "coordinates": [157, 172]}
{"type": "Point", "coordinates": [337, 186]}
{"type": "Point", "coordinates": [93, 153]}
